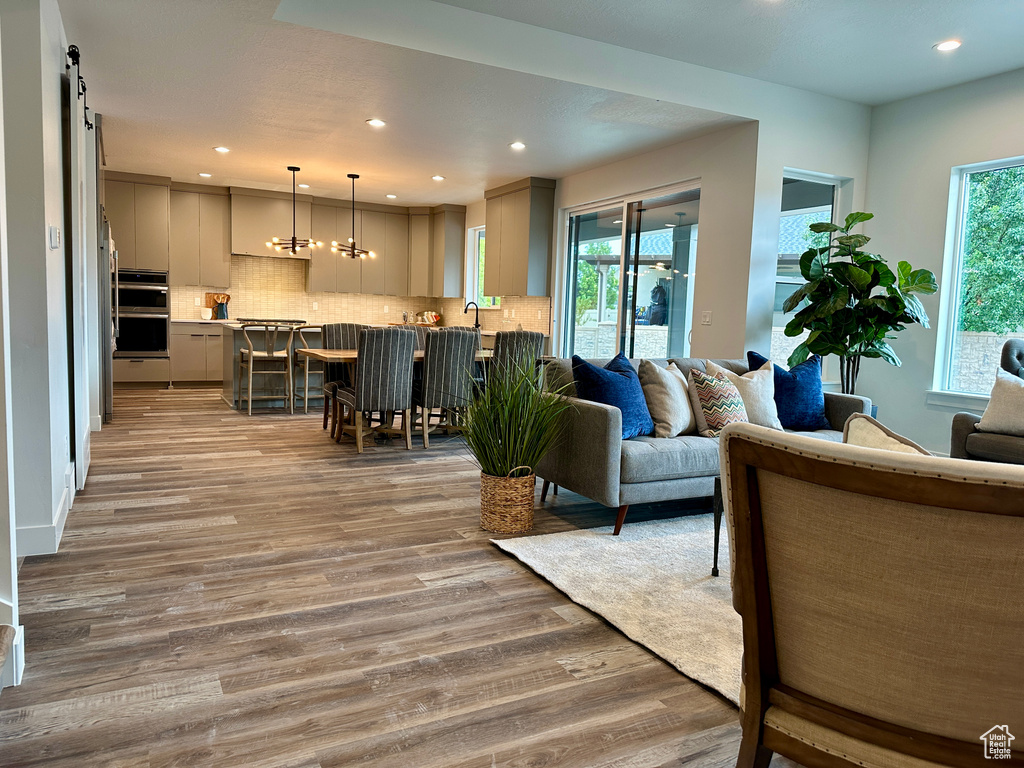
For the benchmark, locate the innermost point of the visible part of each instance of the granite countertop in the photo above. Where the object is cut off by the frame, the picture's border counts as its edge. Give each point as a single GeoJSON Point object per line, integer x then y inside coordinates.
{"type": "Point", "coordinates": [232, 323]}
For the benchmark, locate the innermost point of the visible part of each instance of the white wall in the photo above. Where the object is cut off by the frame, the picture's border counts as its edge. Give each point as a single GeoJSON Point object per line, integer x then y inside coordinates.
{"type": "Point", "coordinates": [33, 46]}
{"type": "Point", "coordinates": [914, 145]}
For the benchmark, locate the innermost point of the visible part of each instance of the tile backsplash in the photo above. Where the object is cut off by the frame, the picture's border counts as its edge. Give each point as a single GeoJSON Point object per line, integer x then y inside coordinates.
{"type": "Point", "coordinates": [276, 288]}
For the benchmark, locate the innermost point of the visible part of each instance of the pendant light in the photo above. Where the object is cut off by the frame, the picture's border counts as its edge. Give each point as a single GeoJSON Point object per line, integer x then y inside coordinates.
{"type": "Point", "coordinates": [350, 248]}
{"type": "Point", "coordinates": [293, 243]}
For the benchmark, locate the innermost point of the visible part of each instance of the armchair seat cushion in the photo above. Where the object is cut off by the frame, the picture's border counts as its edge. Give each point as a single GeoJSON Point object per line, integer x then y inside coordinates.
{"type": "Point", "coordinates": [649, 459]}
{"type": "Point", "coordinates": [832, 435]}
{"type": "Point", "coordinates": [1005, 448]}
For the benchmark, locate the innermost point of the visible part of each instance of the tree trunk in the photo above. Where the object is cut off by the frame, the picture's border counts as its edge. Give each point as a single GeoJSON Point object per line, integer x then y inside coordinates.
{"type": "Point", "coordinates": [849, 369]}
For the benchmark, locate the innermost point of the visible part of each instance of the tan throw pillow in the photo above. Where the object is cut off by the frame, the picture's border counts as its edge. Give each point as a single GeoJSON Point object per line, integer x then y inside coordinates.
{"type": "Point", "coordinates": [1005, 411]}
{"type": "Point", "coordinates": [757, 389]}
{"type": "Point", "coordinates": [718, 401]}
{"type": "Point", "coordinates": [667, 399]}
{"type": "Point", "coordinates": [862, 430]}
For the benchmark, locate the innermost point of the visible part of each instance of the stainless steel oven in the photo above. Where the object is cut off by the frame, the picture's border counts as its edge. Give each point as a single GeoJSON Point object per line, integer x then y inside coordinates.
{"type": "Point", "coordinates": [143, 310]}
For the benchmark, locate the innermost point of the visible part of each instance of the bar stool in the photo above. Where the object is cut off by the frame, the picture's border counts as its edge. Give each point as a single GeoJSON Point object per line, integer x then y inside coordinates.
{"type": "Point", "coordinates": [273, 359]}
{"type": "Point", "coordinates": [305, 366]}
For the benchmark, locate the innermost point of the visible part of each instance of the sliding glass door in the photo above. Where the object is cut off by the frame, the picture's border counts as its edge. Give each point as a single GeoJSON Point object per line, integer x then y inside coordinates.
{"type": "Point", "coordinates": [636, 299]}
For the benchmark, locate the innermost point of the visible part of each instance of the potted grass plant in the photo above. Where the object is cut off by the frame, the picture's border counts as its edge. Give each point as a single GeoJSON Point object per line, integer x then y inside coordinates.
{"type": "Point", "coordinates": [510, 424]}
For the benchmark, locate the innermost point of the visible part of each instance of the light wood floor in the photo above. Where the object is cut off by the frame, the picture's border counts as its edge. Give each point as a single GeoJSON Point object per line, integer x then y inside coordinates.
{"type": "Point", "coordinates": [236, 591]}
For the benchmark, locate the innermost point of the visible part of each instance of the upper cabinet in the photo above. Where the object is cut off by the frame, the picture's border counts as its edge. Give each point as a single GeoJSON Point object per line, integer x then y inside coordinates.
{"type": "Point", "coordinates": [520, 218]}
{"type": "Point", "coordinates": [139, 215]}
{"type": "Point", "coordinates": [323, 265]}
{"type": "Point", "coordinates": [396, 244]}
{"type": "Point", "coordinates": [449, 251]}
{"type": "Point", "coordinates": [258, 216]}
{"type": "Point", "coordinates": [421, 244]}
{"type": "Point", "coordinates": [200, 239]}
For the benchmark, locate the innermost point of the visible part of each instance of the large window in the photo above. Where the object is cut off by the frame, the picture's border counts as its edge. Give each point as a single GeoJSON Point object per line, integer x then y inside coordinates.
{"type": "Point", "coordinates": [475, 269]}
{"type": "Point", "coordinates": [988, 304]}
{"type": "Point", "coordinates": [803, 203]}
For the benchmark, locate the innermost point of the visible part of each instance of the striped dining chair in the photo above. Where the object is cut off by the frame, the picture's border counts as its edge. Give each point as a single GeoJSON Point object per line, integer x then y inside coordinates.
{"type": "Point", "coordinates": [447, 382]}
{"type": "Point", "coordinates": [512, 347]}
{"type": "Point", "coordinates": [383, 382]}
{"type": "Point", "coordinates": [337, 336]}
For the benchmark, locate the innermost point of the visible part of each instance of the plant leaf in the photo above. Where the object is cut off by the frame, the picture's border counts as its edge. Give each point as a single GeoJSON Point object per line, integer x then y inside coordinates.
{"type": "Point", "coordinates": [823, 226]}
{"type": "Point", "coordinates": [797, 296]}
{"type": "Point", "coordinates": [919, 281]}
{"type": "Point", "coordinates": [799, 355]}
{"type": "Point", "coordinates": [854, 276]}
{"type": "Point", "coordinates": [812, 264]}
{"type": "Point", "coordinates": [915, 309]}
{"type": "Point", "coordinates": [884, 351]}
{"type": "Point", "coordinates": [834, 303]}
{"type": "Point", "coordinates": [856, 218]}
{"type": "Point", "coordinates": [853, 241]}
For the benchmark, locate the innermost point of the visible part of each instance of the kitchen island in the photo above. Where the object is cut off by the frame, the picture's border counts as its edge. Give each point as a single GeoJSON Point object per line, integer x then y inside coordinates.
{"type": "Point", "coordinates": [234, 340]}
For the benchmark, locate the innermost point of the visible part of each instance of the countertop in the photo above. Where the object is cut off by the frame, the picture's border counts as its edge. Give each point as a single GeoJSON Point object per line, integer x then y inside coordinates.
{"type": "Point", "coordinates": [231, 323]}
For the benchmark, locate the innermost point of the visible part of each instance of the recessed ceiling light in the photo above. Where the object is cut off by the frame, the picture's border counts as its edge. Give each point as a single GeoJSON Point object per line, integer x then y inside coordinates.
{"type": "Point", "coordinates": [206, 175]}
{"type": "Point", "coordinates": [947, 45]}
{"type": "Point", "coordinates": [221, 149]}
{"type": "Point", "coordinates": [376, 122]}
{"type": "Point", "coordinates": [670, 225]}
{"type": "Point", "coordinates": [304, 186]}
{"type": "Point", "coordinates": [517, 145]}
{"type": "Point", "coordinates": [617, 221]}
{"type": "Point", "coordinates": [437, 178]}
{"type": "Point", "coordinates": [390, 197]}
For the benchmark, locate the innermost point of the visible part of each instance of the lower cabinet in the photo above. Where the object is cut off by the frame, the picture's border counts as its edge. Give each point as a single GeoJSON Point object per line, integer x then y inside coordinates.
{"type": "Point", "coordinates": [145, 370]}
{"type": "Point", "coordinates": [196, 352]}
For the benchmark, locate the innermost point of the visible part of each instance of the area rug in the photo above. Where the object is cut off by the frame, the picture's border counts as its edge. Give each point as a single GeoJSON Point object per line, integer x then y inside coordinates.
{"type": "Point", "coordinates": [653, 582]}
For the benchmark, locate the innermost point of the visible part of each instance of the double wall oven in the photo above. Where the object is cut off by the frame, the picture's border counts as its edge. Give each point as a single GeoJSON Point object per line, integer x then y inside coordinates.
{"type": "Point", "coordinates": [142, 313]}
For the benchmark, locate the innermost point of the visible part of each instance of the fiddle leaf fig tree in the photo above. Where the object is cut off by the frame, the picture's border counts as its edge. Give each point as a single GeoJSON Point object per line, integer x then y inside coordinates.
{"type": "Point", "coordinates": [854, 304]}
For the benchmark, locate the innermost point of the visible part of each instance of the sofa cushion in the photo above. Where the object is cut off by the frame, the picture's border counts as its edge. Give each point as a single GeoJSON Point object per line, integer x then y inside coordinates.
{"type": "Point", "coordinates": [716, 402]}
{"type": "Point", "coordinates": [618, 385]}
{"type": "Point", "coordinates": [648, 459]}
{"type": "Point", "coordinates": [832, 435]}
{"type": "Point", "coordinates": [798, 393]}
{"type": "Point", "coordinates": [1005, 412]}
{"type": "Point", "coordinates": [1005, 448]}
{"type": "Point", "coordinates": [665, 390]}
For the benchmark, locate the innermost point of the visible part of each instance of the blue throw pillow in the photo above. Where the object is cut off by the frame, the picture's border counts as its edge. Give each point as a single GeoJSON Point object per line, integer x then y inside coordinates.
{"type": "Point", "coordinates": [616, 384]}
{"type": "Point", "coordinates": [798, 394]}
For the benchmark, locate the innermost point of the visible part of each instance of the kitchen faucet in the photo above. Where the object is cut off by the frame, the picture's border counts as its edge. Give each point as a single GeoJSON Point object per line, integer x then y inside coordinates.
{"type": "Point", "coordinates": [465, 311]}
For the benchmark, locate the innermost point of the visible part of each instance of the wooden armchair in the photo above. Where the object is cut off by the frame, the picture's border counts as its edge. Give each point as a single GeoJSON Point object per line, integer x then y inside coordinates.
{"type": "Point", "coordinates": [881, 602]}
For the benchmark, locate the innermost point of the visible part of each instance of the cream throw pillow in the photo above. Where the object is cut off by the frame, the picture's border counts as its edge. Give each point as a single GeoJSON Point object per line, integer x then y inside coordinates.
{"type": "Point", "coordinates": [667, 399]}
{"type": "Point", "coordinates": [757, 389]}
{"type": "Point", "coordinates": [862, 430]}
{"type": "Point", "coordinates": [1005, 411]}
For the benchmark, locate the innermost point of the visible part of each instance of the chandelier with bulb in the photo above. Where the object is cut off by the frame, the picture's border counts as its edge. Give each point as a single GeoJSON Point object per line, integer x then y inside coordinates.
{"type": "Point", "coordinates": [292, 244]}
{"type": "Point", "coordinates": [351, 249]}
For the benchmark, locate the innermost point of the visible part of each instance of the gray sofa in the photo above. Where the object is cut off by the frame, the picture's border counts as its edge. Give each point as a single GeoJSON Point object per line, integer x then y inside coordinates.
{"type": "Point", "coordinates": [966, 442]}
{"type": "Point", "coordinates": [594, 461]}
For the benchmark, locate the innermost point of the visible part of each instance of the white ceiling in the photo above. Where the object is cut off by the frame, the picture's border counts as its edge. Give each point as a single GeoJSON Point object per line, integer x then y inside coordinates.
{"type": "Point", "coordinates": [868, 51]}
{"type": "Point", "coordinates": [173, 80]}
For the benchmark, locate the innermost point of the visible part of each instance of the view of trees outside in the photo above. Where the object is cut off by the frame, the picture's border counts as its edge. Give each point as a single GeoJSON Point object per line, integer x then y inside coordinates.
{"type": "Point", "coordinates": [587, 284]}
{"type": "Point", "coordinates": [990, 305]}
{"type": "Point", "coordinates": [483, 301]}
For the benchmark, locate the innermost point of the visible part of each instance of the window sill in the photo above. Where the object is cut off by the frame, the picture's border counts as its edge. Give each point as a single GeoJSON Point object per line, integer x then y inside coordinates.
{"type": "Point", "coordinates": [960, 400]}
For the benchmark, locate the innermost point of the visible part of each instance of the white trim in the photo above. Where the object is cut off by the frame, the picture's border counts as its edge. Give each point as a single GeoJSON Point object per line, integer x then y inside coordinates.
{"type": "Point", "coordinates": [44, 539]}
{"type": "Point", "coordinates": [958, 400]}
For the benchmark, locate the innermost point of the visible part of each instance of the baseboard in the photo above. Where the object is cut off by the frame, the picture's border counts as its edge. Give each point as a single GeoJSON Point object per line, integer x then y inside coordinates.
{"type": "Point", "coordinates": [82, 463]}
{"type": "Point", "coordinates": [95, 423]}
{"type": "Point", "coordinates": [14, 667]}
{"type": "Point", "coordinates": [44, 539]}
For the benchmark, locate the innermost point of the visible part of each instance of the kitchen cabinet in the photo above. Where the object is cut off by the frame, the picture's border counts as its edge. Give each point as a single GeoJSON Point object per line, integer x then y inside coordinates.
{"type": "Point", "coordinates": [196, 352]}
{"type": "Point", "coordinates": [323, 265]}
{"type": "Point", "coordinates": [449, 251]}
{"type": "Point", "coordinates": [142, 370]}
{"type": "Point", "coordinates": [139, 216]}
{"type": "Point", "coordinates": [200, 239]}
{"type": "Point", "coordinates": [350, 271]}
{"type": "Point", "coordinates": [373, 239]}
{"type": "Point", "coordinates": [396, 265]}
{"type": "Point", "coordinates": [257, 217]}
{"type": "Point", "coordinates": [421, 236]}
{"type": "Point", "coordinates": [519, 225]}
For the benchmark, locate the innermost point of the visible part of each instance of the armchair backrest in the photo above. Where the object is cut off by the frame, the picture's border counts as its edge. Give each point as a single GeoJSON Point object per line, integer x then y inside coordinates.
{"type": "Point", "coordinates": [880, 592]}
{"type": "Point", "coordinates": [1012, 359]}
{"type": "Point", "coordinates": [384, 371]}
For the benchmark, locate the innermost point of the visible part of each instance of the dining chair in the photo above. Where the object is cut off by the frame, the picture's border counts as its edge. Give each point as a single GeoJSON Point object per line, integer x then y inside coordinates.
{"type": "Point", "coordinates": [513, 347]}
{"type": "Point", "coordinates": [304, 366]}
{"type": "Point", "coordinates": [337, 336]}
{"type": "Point", "coordinates": [272, 358]}
{"type": "Point", "coordinates": [382, 382]}
{"type": "Point", "coordinates": [447, 382]}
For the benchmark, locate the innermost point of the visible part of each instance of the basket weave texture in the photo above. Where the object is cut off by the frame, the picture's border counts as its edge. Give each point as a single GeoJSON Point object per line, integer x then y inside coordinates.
{"type": "Point", "coordinates": [506, 503]}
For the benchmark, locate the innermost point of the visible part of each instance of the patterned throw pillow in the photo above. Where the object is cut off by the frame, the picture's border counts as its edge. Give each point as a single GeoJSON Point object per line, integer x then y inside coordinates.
{"type": "Point", "coordinates": [720, 402]}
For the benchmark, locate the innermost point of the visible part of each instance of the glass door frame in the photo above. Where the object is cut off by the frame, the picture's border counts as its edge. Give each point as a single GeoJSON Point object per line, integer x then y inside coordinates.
{"type": "Point", "coordinates": [568, 268]}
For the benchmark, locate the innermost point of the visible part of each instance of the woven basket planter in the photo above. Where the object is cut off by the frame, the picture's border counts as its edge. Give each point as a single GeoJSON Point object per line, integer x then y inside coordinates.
{"type": "Point", "coordinates": [506, 503]}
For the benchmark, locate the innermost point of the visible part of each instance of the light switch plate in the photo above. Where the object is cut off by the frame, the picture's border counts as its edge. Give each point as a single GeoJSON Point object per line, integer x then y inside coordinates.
{"type": "Point", "coordinates": [513, 314]}
{"type": "Point", "coordinates": [316, 306]}
{"type": "Point", "coordinates": [54, 237]}
{"type": "Point", "coordinates": [198, 302]}
{"type": "Point", "coordinates": [705, 317]}
{"type": "Point", "coordinates": [386, 309]}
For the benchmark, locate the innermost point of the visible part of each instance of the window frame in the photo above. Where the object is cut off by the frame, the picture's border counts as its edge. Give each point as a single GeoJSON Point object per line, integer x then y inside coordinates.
{"type": "Point", "coordinates": [473, 286]}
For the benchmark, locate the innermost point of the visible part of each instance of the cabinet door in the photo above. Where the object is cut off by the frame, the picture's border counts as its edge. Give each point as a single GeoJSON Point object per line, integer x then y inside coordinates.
{"type": "Point", "coordinates": [350, 271]}
{"type": "Point", "coordinates": [396, 265]}
{"type": "Point", "coordinates": [492, 248]}
{"type": "Point", "coordinates": [323, 265]}
{"type": "Point", "coordinates": [373, 239]}
{"type": "Point", "coordinates": [119, 204]}
{"type": "Point", "coordinates": [215, 240]}
{"type": "Point", "coordinates": [519, 245]}
{"type": "Point", "coordinates": [256, 220]}
{"type": "Point", "coordinates": [188, 357]}
{"type": "Point", "coordinates": [184, 263]}
{"type": "Point", "coordinates": [214, 357]}
{"type": "Point", "coordinates": [152, 224]}
{"type": "Point", "coordinates": [420, 241]}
